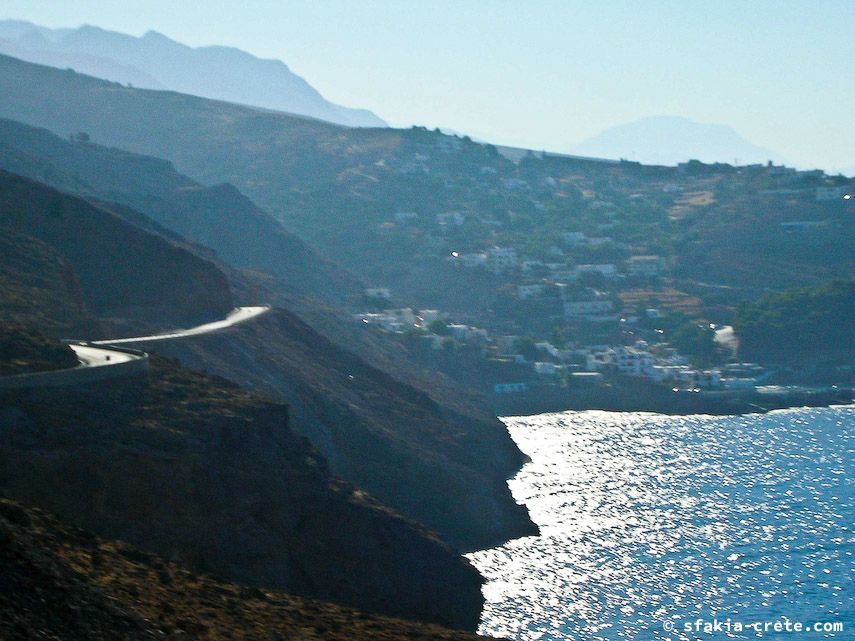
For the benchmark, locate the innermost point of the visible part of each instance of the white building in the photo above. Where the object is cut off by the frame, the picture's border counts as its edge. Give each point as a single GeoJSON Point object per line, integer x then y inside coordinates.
{"type": "Point", "coordinates": [525, 292]}
{"type": "Point", "coordinates": [547, 347]}
{"type": "Point", "coordinates": [574, 237]}
{"type": "Point", "coordinates": [547, 369]}
{"type": "Point", "coordinates": [385, 321]}
{"type": "Point", "coordinates": [633, 362]}
{"type": "Point", "coordinates": [428, 316]}
{"type": "Point", "coordinates": [404, 315]}
{"type": "Point", "coordinates": [378, 293]}
{"type": "Point", "coordinates": [833, 193]}
{"type": "Point", "coordinates": [606, 269]}
{"type": "Point", "coordinates": [661, 373]}
{"type": "Point", "coordinates": [405, 216]}
{"type": "Point", "coordinates": [696, 379]}
{"type": "Point", "coordinates": [459, 332]}
{"type": "Point", "coordinates": [502, 259]}
{"type": "Point", "coordinates": [599, 359]}
{"type": "Point", "coordinates": [451, 218]}
{"type": "Point", "coordinates": [645, 265]}
{"type": "Point", "coordinates": [465, 333]}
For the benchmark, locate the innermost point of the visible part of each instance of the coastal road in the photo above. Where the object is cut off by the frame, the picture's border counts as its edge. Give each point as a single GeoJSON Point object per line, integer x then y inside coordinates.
{"type": "Point", "coordinates": [95, 356]}
{"type": "Point", "coordinates": [90, 356]}
{"type": "Point", "coordinates": [235, 317]}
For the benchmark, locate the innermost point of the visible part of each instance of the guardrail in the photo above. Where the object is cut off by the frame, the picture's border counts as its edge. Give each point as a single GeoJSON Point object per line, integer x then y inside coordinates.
{"type": "Point", "coordinates": [81, 374]}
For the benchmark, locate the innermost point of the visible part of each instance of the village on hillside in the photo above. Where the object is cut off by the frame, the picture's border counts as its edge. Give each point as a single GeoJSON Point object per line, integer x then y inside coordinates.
{"type": "Point", "coordinates": [606, 297]}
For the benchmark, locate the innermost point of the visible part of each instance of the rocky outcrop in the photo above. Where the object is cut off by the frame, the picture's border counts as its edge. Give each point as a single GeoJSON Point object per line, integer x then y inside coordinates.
{"type": "Point", "coordinates": [58, 582]}
{"type": "Point", "coordinates": [24, 351]}
{"type": "Point", "coordinates": [205, 474]}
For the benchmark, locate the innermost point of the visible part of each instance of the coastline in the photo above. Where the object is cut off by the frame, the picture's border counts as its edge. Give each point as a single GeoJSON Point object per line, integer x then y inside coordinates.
{"type": "Point", "coordinates": [633, 396]}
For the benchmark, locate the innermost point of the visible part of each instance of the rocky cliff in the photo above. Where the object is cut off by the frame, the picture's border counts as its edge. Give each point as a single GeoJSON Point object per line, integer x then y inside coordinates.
{"type": "Point", "coordinates": [210, 476]}
{"type": "Point", "coordinates": [444, 469]}
{"type": "Point", "coordinates": [61, 583]}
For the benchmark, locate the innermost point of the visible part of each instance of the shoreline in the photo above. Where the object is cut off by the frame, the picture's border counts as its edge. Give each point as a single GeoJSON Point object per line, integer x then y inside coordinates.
{"type": "Point", "coordinates": [641, 397]}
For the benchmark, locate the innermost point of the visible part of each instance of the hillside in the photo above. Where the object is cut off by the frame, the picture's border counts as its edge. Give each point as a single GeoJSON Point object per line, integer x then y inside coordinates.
{"type": "Point", "coordinates": [196, 470]}
{"type": "Point", "coordinates": [103, 419]}
{"type": "Point", "coordinates": [154, 61]}
{"type": "Point", "coordinates": [450, 454]}
{"type": "Point", "coordinates": [101, 589]}
{"type": "Point", "coordinates": [218, 217]}
{"type": "Point", "coordinates": [800, 326]}
{"type": "Point", "coordinates": [121, 269]}
{"type": "Point", "coordinates": [24, 351]}
{"type": "Point", "coordinates": [445, 469]}
{"type": "Point", "coordinates": [341, 190]}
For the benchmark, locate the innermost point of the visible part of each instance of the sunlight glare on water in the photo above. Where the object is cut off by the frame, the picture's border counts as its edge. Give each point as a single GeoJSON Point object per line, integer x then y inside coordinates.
{"type": "Point", "coordinates": [646, 518]}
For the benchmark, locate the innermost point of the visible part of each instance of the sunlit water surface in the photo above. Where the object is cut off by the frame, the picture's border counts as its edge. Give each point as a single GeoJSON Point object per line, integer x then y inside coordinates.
{"type": "Point", "coordinates": [647, 518]}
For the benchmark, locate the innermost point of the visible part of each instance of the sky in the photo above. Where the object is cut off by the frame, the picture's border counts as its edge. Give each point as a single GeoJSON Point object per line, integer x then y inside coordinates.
{"type": "Point", "coordinates": [540, 74]}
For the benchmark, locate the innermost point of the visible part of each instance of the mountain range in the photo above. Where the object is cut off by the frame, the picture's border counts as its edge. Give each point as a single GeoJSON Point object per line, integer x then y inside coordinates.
{"type": "Point", "coordinates": [154, 61]}
{"type": "Point", "coordinates": [669, 140]}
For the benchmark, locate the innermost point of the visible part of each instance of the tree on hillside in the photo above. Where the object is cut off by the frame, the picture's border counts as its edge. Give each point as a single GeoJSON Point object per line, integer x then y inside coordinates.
{"type": "Point", "coordinates": [818, 321]}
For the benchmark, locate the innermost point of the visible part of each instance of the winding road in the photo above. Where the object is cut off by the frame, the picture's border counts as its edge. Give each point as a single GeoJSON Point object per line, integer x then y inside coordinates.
{"type": "Point", "coordinates": [96, 356]}
{"type": "Point", "coordinates": [90, 356]}
{"type": "Point", "coordinates": [235, 317]}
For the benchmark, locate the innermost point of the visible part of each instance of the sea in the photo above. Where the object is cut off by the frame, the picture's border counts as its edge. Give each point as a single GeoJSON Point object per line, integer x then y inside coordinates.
{"type": "Point", "coordinates": [679, 527]}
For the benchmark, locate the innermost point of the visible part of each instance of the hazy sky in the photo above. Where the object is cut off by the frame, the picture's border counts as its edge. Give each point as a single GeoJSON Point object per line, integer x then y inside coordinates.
{"type": "Point", "coordinates": [539, 73]}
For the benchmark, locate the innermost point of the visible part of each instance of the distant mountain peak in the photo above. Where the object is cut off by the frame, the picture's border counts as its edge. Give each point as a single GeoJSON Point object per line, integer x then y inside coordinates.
{"type": "Point", "coordinates": [671, 139]}
{"type": "Point", "coordinates": [156, 61]}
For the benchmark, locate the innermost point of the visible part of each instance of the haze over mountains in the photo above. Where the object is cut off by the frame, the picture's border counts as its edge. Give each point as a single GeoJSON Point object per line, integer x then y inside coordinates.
{"type": "Point", "coordinates": [668, 140]}
{"type": "Point", "coordinates": [154, 61]}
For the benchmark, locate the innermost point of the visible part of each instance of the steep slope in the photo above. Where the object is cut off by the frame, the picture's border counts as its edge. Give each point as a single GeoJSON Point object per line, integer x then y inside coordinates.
{"type": "Point", "coordinates": [154, 61]}
{"type": "Point", "coordinates": [209, 140]}
{"type": "Point", "coordinates": [444, 469]}
{"type": "Point", "coordinates": [24, 351]}
{"type": "Point", "coordinates": [194, 469]}
{"type": "Point", "coordinates": [38, 286]}
{"type": "Point", "coordinates": [35, 47]}
{"type": "Point", "coordinates": [218, 217]}
{"type": "Point", "coordinates": [123, 271]}
{"type": "Point", "coordinates": [62, 583]}
{"type": "Point", "coordinates": [110, 590]}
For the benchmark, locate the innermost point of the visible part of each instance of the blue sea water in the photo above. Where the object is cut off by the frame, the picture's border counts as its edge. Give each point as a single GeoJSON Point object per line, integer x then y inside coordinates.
{"type": "Point", "coordinates": [651, 522]}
